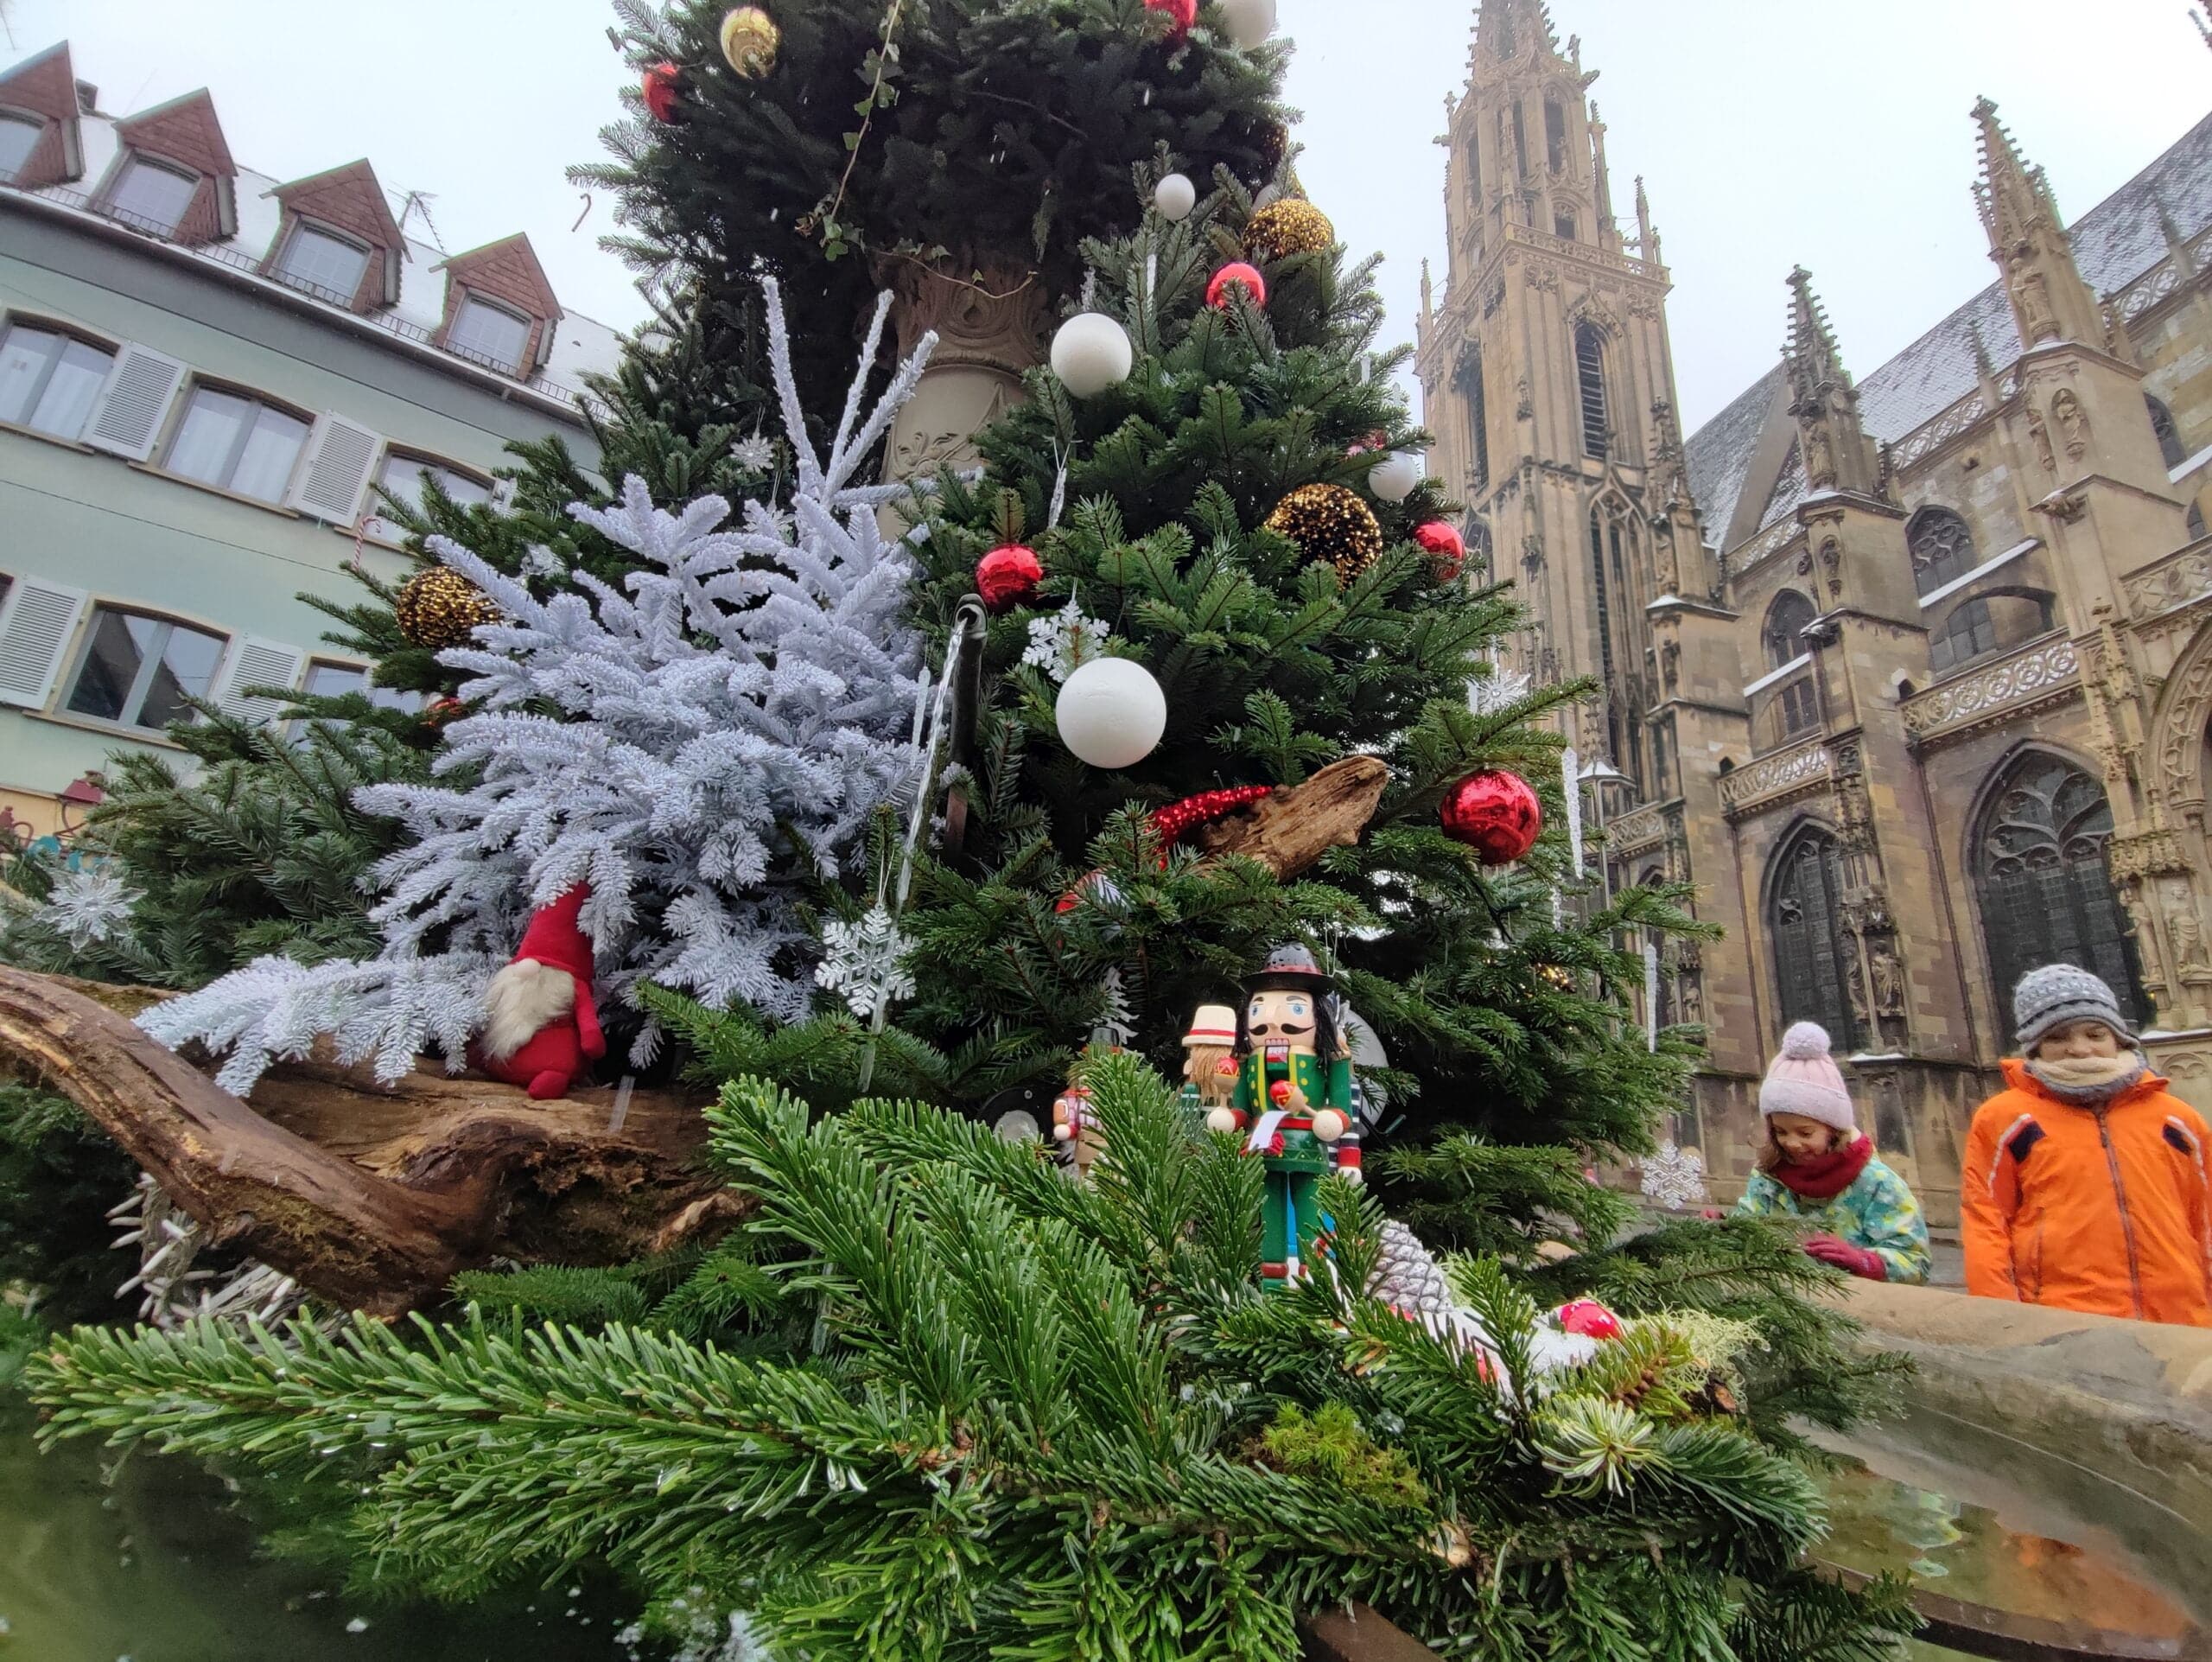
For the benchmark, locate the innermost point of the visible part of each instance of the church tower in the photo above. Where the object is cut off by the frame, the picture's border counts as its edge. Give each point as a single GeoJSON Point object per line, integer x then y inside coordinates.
{"type": "Point", "coordinates": [1547, 380]}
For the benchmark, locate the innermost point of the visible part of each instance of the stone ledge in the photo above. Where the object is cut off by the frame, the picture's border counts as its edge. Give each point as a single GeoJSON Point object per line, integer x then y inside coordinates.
{"type": "Point", "coordinates": [2125, 1402]}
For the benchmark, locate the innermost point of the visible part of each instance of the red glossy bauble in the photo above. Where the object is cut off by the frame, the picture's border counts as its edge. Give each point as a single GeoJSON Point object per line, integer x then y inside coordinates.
{"type": "Point", "coordinates": [1495, 813]}
{"type": "Point", "coordinates": [1184, 13]}
{"type": "Point", "coordinates": [1007, 576]}
{"type": "Point", "coordinates": [1588, 1319]}
{"type": "Point", "coordinates": [1236, 272]}
{"type": "Point", "coordinates": [1448, 550]}
{"type": "Point", "coordinates": [663, 85]}
{"type": "Point", "coordinates": [439, 712]}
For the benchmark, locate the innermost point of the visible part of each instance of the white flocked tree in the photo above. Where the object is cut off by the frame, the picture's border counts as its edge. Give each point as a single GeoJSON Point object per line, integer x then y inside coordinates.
{"type": "Point", "coordinates": [698, 748]}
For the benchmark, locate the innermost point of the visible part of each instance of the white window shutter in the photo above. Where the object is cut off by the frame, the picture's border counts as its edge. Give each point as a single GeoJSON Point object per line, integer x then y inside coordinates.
{"type": "Point", "coordinates": [127, 420]}
{"type": "Point", "coordinates": [256, 663]}
{"type": "Point", "coordinates": [36, 621]}
{"type": "Point", "coordinates": [340, 456]}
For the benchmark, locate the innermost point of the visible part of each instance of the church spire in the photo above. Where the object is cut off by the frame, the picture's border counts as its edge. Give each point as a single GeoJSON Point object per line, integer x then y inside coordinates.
{"type": "Point", "coordinates": [1508, 29]}
{"type": "Point", "coordinates": [2028, 241]}
{"type": "Point", "coordinates": [1830, 436]}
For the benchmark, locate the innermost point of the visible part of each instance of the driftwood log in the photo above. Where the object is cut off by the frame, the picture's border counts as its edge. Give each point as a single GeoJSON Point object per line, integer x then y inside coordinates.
{"type": "Point", "coordinates": [373, 1197]}
{"type": "Point", "coordinates": [1290, 830]}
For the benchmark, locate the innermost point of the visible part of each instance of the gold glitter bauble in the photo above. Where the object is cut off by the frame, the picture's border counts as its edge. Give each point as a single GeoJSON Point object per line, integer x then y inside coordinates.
{"type": "Point", "coordinates": [437, 607]}
{"type": "Point", "coordinates": [1287, 228]}
{"type": "Point", "coordinates": [1561, 978]}
{"type": "Point", "coordinates": [1329, 523]}
{"type": "Point", "coordinates": [750, 38]}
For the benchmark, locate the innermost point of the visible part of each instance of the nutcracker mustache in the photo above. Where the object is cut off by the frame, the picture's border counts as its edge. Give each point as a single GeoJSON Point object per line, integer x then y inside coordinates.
{"type": "Point", "coordinates": [1286, 1030]}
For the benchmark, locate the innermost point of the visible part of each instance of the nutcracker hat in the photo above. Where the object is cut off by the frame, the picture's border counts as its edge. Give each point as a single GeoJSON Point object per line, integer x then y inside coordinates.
{"type": "Point", "coordinates": [554, 938]}
{"type": "Point", "coordinates": [1291, 965]}
{"type": "Point", "coordinates": [1214, 1024]}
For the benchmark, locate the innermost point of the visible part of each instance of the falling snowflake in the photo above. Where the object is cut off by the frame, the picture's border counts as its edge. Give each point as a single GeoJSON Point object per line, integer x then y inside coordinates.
{"type": "Point", "coordinates": [1498, 690]}
{"type": "Point", "coordinates": [1675, 1177]}
{"type": "Point", "coordinates": [756, 455]}
{"type": "Point", "coordinates": [88, 906]}
{"type": "Point", "coordinates": [865, 963]}
{"type": "Point", "coordinates": [1061, 644]}
{"type": "Point", "coordinates": [1117, 1022]}
{"type": "Point", "coordinates": [541, 562]}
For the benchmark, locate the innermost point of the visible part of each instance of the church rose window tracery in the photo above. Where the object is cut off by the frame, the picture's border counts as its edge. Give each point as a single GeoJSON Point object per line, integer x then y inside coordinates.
{"type": "Point", "coordinates": [1941, 548]}
{"type": "Point", "coordinates": [2039, 872]}
{"type": "Point", "coordinates": [1813, 962]}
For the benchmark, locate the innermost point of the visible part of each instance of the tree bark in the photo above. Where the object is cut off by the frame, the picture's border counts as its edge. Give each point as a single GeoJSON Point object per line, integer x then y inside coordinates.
{"type": "Point", "coordinates": [370, 1197]}
{"type": "Point", "coordinates": [1289, 831]}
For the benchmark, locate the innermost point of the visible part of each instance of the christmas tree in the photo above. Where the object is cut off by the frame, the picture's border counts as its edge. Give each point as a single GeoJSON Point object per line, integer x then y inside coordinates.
{"type": "Point", "coordinates": [696, 749]}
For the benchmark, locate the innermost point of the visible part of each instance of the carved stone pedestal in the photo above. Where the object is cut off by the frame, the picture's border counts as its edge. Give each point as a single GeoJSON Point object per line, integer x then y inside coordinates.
{"type": "Point", "coordinates": [990, 326]}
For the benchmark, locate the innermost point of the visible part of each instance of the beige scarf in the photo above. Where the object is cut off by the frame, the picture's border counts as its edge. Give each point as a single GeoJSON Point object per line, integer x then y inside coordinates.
{"type": "Point", "coordinates": [2090, 1081]}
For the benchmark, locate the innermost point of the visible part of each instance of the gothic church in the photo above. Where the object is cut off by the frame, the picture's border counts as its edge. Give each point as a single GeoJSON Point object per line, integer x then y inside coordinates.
{"type": "Point", "coordinates": [1911, 675]}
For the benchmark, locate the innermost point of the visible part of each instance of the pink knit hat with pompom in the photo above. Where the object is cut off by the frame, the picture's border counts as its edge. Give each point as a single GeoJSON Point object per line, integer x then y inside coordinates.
{"type": "Point", "coordinates": [1804, 1080]}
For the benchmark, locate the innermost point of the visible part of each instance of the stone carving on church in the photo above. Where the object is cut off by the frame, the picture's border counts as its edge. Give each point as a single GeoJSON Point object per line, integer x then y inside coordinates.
{"type": "Point", "coordinates": [2038, 676]}
{"type": "Point", "coordinates": [1775, 776]}
{"type": "Point", "coordinates": [2039, 435]}
{"type": "Point", "coordinates": [1820, 456]}
{"type": "Point", "coordinates": [1832, 563]}
{"type": "Point", "coordinates": [1670, 667]}
{"type": "Point", "coordinates": [2073, 422]}
{"type": "Point", "coordinates": [2033, 298]}
{"type": "Point", "coordinates": [1855, 986]}
{"type": "Point", "coordinates": [2185, 933]}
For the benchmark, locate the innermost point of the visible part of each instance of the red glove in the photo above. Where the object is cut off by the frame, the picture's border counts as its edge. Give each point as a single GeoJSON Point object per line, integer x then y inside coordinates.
{"type": "Point", "coordinates": [1867, 1265]}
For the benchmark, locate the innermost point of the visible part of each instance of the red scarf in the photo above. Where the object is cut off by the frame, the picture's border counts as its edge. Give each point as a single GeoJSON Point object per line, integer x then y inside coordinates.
{"type": "Point", "coordinates": [1829, 1176]}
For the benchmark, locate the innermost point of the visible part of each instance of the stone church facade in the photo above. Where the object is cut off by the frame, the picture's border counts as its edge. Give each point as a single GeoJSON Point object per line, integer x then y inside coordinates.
{"type": "Point", "coordinates": [1910, 676]}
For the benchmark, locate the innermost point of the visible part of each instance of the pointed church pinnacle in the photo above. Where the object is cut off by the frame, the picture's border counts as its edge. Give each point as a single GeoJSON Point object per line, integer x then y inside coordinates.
{"type": "Point", "coordinates": [2203, 28]}
{"type": "Point", "coordinates": [2011, 194]}
{"type": "Point", "coordinates": [1813, 360]}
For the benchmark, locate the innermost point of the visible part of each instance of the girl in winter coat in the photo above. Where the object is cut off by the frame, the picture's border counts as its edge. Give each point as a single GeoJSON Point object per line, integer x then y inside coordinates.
{"type": "Point", "coordinates": [1816, 1166]}
{"type": "Point", "coordinates": [2086, 1184]}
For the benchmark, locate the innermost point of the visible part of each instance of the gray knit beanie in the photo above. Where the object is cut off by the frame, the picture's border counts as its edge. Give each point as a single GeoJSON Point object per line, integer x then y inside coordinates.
{"type": "Point", "coordinates": [2059, 993]}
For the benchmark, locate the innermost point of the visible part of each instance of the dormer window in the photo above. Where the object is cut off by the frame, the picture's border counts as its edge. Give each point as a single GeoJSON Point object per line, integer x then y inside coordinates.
{"type": "Point", "coordinates": [324, 262]}
{"type": "Point", "coordinates": [491, 335]}
{"type": "Point", "coordinates": [151, 196]}
{"type": "Point", "coordinates": [19, 137]}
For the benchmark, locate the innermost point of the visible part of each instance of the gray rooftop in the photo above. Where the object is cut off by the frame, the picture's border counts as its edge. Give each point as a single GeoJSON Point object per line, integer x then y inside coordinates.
{"type": "Point", "coordinates": [2114, 243]}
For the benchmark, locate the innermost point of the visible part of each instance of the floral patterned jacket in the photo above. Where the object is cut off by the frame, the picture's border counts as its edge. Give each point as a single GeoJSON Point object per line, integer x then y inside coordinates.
{"type": "Point", "coordinates": [1878, 1212]}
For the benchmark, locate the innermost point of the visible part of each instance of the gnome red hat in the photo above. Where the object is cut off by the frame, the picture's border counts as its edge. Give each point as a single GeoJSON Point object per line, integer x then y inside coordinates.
{"type": "Point", "coordinates": [555, 938]}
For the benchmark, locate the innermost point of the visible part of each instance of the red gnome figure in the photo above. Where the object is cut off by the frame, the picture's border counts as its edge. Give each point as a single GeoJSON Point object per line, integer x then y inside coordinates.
{"type": "Point", "coordinates": [541, 1029]}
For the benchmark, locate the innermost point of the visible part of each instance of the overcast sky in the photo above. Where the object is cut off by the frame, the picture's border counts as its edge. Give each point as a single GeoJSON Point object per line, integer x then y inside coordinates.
{"type": "Point", "coordinates": [1768, 134]}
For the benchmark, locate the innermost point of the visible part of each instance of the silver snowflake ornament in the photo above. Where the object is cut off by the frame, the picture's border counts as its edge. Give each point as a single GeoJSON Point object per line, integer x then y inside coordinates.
{"type": "Point", "coordinates": [89, 905]}
{"type": "Point", "coordinates": [1675, 1178]}
{"type": "Point", "coordinates": [865, 962]}
{"type": "Point", "coordinates": [1500, 690]}
{"type": "Point", "coordinates": [1064, 641]}
{"type": "Point", "coordinates": [756, 455]}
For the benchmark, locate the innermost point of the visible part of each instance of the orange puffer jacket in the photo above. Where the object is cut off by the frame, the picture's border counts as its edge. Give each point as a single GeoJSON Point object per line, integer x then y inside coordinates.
{"type": "Point", "coordinates": [2108, 1213]}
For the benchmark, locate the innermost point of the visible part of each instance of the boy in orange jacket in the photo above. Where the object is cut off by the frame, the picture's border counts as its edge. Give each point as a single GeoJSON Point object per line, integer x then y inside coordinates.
{"type": "Point", "coordinates": [2086, 1186]}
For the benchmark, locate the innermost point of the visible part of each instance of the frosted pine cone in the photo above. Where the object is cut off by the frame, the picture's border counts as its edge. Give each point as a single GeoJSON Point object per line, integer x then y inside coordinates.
{"type": "Point", "coordinates": [1408, 1278]}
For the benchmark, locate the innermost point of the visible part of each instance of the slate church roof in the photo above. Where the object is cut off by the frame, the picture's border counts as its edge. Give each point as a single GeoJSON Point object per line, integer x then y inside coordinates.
{"type": "Point", "coordinates": [2114, 243]}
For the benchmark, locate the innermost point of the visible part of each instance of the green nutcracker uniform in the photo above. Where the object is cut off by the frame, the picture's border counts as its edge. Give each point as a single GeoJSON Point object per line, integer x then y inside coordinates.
{"type": "Point", "coordinates": [1296, 1160]}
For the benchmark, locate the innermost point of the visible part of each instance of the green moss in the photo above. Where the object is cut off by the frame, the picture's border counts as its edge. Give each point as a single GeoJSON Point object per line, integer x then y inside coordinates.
{"type": "Point", "coordinates": [1328, 1446]}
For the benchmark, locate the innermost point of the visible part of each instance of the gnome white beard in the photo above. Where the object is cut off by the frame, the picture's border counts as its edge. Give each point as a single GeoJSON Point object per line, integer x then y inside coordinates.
{"type": "Point", "coordinates": [522, 1000]}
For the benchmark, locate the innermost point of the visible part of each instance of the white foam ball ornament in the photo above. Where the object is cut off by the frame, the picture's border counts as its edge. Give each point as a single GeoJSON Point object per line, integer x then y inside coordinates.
{"type": "Point", "coordinates": [1394, 478]}
{"type": "Point", "coordinates": [1249, 22]}
{"type": "Point", "coordinates": [1091, 353]}
{"type": "Point", "coordinates": [1175, 196]}
{"type": "Point", "coordinates": [1111, 713]}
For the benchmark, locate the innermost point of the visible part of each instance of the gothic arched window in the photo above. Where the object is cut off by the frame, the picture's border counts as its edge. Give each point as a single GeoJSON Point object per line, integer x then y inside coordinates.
{"type": "Point", "coordinates": [2196, 521]}
{"type": "Point", "coordinates": [1555, 136]}
{"type": "Point", "coordinates": [2039, 873]}
{"type": "Point", "coordinates": [1967, 634]}
{"type": "Point", "coordinates": [1590, 369]}
{"type": "Point", "coordinates": [1783, 634]}
{"type": "Point", "coordinates": [2168, 435]}
{"type": "Point", "coordinates": [1814, 967]}
{"type": "Point", "coordinates": [1470, 376]}
{"type": "Point", "coordinates": [1478, 547]}
{"type": "Point", "coordinates": [1941, 548]}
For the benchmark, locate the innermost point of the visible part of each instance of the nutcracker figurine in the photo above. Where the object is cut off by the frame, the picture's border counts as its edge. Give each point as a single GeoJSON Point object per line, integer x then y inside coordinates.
{"type": "Point", "coordinates": [1210, 1058]}
{"type": "Point", "coordinates": [1296, 1094]}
